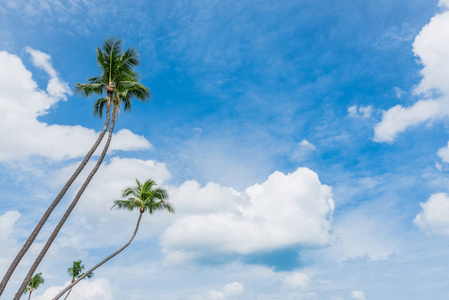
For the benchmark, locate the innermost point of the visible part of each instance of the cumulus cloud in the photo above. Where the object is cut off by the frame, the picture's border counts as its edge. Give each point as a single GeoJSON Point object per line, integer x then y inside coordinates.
{"type": "Point", "coordinates": [99, 288]}
{"type": "Point", "coordinates": [444, 4]}
{"type": "Point", "coordinates": [430, 47]}
{"type": "Point", "coordinates": [306, 145]}
{"type": "Point", "coordinates": [296, 280]}
{"type": "Point", "coordinates": [363, 112]}
{"type": "Point", "coordinates": [22, 102]}
{"type": "Point", "coordinates": [361, 236]}
{"type": "Point", "coordinates": [358, 295]}
{"type": "Point", "coordinates": [434, 215]}
{"type": "Point", "coordinates": [8, 246]}
{"type": "Point", "coordinates": [227, 292]}
{"type": "Point", "coordinates": [443, 153]}
{"type": "Point", "coordinates": [302, 150]}
{"type": "Point", "coordinates": [285, 210]}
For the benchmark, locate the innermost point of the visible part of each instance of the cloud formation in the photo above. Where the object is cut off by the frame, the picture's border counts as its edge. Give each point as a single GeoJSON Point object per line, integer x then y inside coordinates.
{"type": "Point", "coordinates": [358, 295]}
{"type": "Point", "coordinates": [99, 288]}
{"type": "Point", "coordinates": [229, 291]}
{"type": "Point", "coordinates": [296, 280]}
{"type": "Point", "coordinates": [8, 246]}
{"type": "Point", "coordinates": [430, 47]}
{"type": "Point", "coordinates": [285, 210]}
{"type": "Point", "coordinates": [434, 215]}
{"type": "Point", "coordinates": [363, 112]}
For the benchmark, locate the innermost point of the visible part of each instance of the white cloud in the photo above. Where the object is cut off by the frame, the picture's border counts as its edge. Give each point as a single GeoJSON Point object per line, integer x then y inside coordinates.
{"type": "Point", "coordinates": [8, 246]}
{"type": "Point", "coordinates": [306, 145]}
{"type": "Point", "coordinates": [227, 292]}
{"type": "Point", "coordinates": [434, 216]}
{"type": "Point", "coordinates": [21, 103]}
{"type": "Point", "coordinates": [358, 295]}
{"type": "Point", "coordinates": [398, 92]}
{"type": "Point", "coordinates": [7, 221]}
{"type": "Point", "coordinates": [363, 112]}
{"type": "Point", "coordinates": [282, 211]}
{"type": "Point", "coordinates": [296, 280]}
{"type": "Point", "coordinates": [443, 153]}
{"type": "Point", "coordinates": [398, 118]}
{"type": "Point", "coordinates": [190, 198]}
{"type": "Point", "coordinates": [360, 236]}
{"type": "Point", "coordinates": [302, 150]}
{"type": "Point", "coordinates": [431, 47]}
{"type": "Point", "coordinates": [125, 140]}
{"type": "Point", "coordinates": [42, 60]}
{"type": "Point", "coordinates": [56, 87]}
{"type": "Point", "coordinates": [444, 4]}
{"type": "Point", "coordinates": [99, 288]}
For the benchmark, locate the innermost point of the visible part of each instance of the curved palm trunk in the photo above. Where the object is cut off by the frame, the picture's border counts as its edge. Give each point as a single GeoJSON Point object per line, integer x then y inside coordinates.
{"type": "Point", "coordinates": [69, 287]}
{"type": "Point", "coordinates": [67, 296]}
{"type": "Point", "coordinates": [68, 211]}
{"type": "Point", "coordinates": [52, 206]}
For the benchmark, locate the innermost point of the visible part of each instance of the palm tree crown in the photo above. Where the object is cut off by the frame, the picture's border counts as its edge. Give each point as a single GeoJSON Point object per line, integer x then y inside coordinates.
{"type": "Point", "coordinates": [119, 80]}
{"type": "Point", "coordinates": [76, 270]}
{"type": "Point", "coordinates": [145, 197]}
{"type": "Point", "coordinates": [35, 281]}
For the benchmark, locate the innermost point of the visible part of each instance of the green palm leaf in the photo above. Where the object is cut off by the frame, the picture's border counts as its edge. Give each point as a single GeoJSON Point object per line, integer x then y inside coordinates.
{"type": "Point", "coordinates": [145, 197]}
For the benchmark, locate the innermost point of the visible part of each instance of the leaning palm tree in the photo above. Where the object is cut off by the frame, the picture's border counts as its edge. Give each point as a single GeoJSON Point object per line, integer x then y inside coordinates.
{"type": "Point", "coordinates": [144, 197]}
{"type": "Point", "coordinates": [111, 51]}
{"type": "Point", "coordinates": [76, 271]}
{"type": "Point", "coordinates": [120, 82]}
{"type": "Point", "coordinates": [35, 281]}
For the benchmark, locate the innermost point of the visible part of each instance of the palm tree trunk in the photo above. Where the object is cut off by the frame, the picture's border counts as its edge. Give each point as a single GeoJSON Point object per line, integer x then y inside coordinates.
{"type": "Point", "coordinates": [67, 294]}
{"type": "Point", "coordinates": [29, 296]}
{"type": "Point", "coordinates": [73, 280]}
{"type": "Point", "coordinates": [52, 206]}
{"type": "Point", "coordinates": [102, 262]}
{"type": "Point", "coordinates": [68, 211]}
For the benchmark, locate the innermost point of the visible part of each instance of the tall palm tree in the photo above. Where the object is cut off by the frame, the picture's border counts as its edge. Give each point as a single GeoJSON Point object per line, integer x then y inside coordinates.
{"type": "Point", "coordinates": [109, 51]}
{"type": "Point", "coordinates": [76, 271]}
{"type": "Point", "coordinates": [144, 197]}
{"type": "Point", "coordinates": [35, 281]}
{"type": "Point", "coordinates": [120, 82]}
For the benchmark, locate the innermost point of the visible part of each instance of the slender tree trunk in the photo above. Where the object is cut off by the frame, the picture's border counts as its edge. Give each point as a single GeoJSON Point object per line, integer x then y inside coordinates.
{"type": "Point", "coordinates": [73, 280]}
{"type": "Point", "coordinates": [29, 296]}
{"type": "Point", "coordinates": [67, 294]}
{"type": "Point", "coordinates": [52, 206]}
{"type": "Point", "coordinates": [68, 211]}
{"type": "Point", "coordinates": [102, 262]}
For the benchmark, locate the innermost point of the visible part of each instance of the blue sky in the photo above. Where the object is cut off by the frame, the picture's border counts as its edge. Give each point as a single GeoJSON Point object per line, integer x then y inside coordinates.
{"type": "Point", "coordinates": [304, 146]}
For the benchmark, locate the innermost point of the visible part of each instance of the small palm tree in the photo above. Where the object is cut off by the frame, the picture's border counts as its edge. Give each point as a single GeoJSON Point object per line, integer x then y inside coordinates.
{"type": "Point", "coordinates": [76, 271]}
{"type": "Point", "coordinates": [35, 281]}
{"type": "Point", "coordinates": [120, 82]}
{"type": "Point", "coordinates": [144, 197]}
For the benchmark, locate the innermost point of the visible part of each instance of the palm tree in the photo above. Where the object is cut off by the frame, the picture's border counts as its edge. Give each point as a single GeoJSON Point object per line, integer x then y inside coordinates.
{"type": "Point", "coordinates": [35, 281]}
{"type": "Point", "coordinates": [120, 82]}
{"type": "Point", "coordinates": [87, 91]}
{"type": "Point", "coordinates": [75, 271]}
{"type": "Point", "coordinates": [144, 197]}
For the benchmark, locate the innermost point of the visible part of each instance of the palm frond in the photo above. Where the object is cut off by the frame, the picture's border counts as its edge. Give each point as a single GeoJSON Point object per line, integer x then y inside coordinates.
{"type": "Point", "coordinates": [126, 204]}
{"type": "Point", "coordinates": [99, 106]}
{"type": "Point", "coordinates": [88, 89]}
{"type": "Point", "coordinates": [145, 197]}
